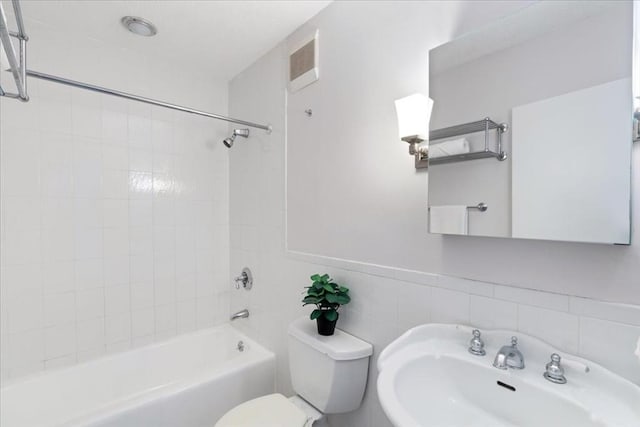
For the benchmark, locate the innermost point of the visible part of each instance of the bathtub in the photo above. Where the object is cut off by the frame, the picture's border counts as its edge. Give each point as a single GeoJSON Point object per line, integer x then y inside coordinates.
{"type": "Point", "coordinates": [188, 381]}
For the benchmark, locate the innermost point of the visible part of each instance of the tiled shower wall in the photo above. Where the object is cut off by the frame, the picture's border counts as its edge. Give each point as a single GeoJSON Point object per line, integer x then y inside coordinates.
{"type": "Point", "coordinates": [114, 218]}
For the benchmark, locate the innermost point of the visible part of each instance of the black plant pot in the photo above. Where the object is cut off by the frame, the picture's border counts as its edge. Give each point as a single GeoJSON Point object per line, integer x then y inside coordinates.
{"type": "Point", "coordinates": [326, 327]}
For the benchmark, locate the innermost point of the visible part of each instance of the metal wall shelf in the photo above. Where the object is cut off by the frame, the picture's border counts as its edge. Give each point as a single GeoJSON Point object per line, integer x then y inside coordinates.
{"type": "Point", "coordinates": [485, 125]}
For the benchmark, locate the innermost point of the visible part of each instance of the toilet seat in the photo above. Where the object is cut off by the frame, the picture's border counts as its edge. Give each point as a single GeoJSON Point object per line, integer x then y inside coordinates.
{"type": "Point", "coordinates": [272, 410]}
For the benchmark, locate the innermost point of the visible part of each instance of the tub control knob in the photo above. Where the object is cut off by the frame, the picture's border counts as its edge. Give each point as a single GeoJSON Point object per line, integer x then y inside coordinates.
{"type": "Point", "coordinates": [245, 279]}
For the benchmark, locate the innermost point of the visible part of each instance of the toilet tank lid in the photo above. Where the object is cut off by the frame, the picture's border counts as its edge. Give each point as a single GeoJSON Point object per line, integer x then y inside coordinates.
{"type": "Point", "coordinates": [339, 346]}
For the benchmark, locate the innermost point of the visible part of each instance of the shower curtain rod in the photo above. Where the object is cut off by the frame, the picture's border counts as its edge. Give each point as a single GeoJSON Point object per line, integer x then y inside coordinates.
{"type": "Point", "coordinates": [18, 67]}
{"type": "Point", "coordinates": [100, 89]}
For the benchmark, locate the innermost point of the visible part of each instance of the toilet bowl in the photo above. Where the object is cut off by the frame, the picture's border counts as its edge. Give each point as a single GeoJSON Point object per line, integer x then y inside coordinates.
{"type": "Point", "coordinates": [328, 374]}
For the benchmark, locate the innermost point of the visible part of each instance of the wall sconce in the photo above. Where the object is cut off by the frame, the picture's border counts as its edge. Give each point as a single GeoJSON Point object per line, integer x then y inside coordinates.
{"type": "Point", "coordinates": [414, 113]}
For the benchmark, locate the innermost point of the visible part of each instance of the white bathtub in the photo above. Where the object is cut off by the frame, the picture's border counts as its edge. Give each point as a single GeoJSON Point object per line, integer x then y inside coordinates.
{"type": "Point", "coordinates": [189, 381]}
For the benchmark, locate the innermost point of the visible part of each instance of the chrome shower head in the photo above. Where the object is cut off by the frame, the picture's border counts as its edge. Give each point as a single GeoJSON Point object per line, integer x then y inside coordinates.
{"type": "Point", "coordinates": [229, 141]}
{"type": "Point", "coordinates": [236, 132]}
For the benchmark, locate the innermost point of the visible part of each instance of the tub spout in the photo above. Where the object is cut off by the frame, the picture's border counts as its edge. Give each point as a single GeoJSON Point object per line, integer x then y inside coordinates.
{"type": "Point", "coordinates": [242, 314]}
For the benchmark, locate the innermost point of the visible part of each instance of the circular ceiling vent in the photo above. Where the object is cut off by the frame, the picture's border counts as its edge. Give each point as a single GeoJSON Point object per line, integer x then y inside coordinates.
{"type": "Point", "coordinates": [139, 26]}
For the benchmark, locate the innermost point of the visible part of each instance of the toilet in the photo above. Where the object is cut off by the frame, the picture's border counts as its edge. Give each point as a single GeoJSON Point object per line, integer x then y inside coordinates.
{"type": "Point", "coordinates": [328, 374]}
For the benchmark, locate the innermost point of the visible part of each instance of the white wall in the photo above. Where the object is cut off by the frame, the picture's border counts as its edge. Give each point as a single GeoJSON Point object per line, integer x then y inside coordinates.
{"type": "Point", "coordinates": [372, 53]}
{"type": "Point", "coordinates": [352, 179]}
{"type": "Point", "coordinates": [114, 214]}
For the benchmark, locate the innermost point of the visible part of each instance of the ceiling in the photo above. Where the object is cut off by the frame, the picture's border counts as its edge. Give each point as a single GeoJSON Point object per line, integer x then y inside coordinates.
{"type": "Point", "coordinates": [223, 37]}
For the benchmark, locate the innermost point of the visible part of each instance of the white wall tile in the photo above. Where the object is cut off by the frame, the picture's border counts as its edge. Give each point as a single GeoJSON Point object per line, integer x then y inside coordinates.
{"type": "Point", "coordinates": [86, 120]}
{"type": "Point", "coordinates": [20, 163]}
{"type": "Point", "coordinates": [557, 328]}
{"type": "Point", "coordinates": [26, 348]}
{"type": "Point", "coordinates": [115, 184]}
{"type": "Point", "coordinates": [21, 246]}
{"type": "Point", "coordinates": [115, 157]}
{"type": "Point", "coordinates": [88, 213]}
{"type": "Point", "coordinates": [59, 308]}
{"type": "Point", "coordinates": [624, 313]}
{"type": "Point", "coordinates": [91, 334]}
{"type": "Point", "coordinates": [77, 249]}
{"type": "Point", "coordinates": [57, 276]}
{"type": "Point", "coordinates": [612, 345]}
{"type": "Point", "coordinates": [490, 313]}
{"type": "Point", "coordinates": [90, 304]}
{"type": "Point", "coordinates": [20, 213]}
{"type": "Point", "coordinates": [25, 311]}
{"type": "Point", "coordinates": [88, 243]}
{"type": "Point", "coordinates": [55, 116]}
{"type": "Point", "coordinates": [117, 328]}
{"type": "Point", "coordinates": [60, 340]}
{"type": "Point", "coordinates": [143, 322]}
{"type": "Point", "coordinates": [114, 126]}
{"type": "Point", "coordinates": [205, 308]}
{"type": "Point", "coordinates": [140, 213]}
{"type": "Point", "coordinates": [116, 242]}
{"type": "Point", "coordinates": [141, 268]}
{"type": "Point", "coordinates": [465, 285]}
{"type": "Point", "coordinates": [89, 274]}
{"type": "Point", "coordinates": [116, 271]}
{"type": "Point", "coordinates": [23, 278]}
{"type": "Point", "coordinates": [142, 295]}
{"type": "Point", "coordinates": [449, 306]}
{"type": "Point", "coordinates": [140, 160]}
{"type": "Point", "coordinates": [58, 244]}
{"type": "Point", "coordinates": [532, 297]}
{"type": "Point", "coordinates": [117, 299]}
{"type": "Point", "coordinates": [116, 213]}
{"type": "Point", "coordinates": [414, 305]}
{"type": "Point", "coordinates": [165, 317]}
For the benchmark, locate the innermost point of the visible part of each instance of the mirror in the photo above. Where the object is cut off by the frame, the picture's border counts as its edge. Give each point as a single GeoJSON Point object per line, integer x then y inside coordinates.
{"type": "Point", "coordinates": [531, 129]}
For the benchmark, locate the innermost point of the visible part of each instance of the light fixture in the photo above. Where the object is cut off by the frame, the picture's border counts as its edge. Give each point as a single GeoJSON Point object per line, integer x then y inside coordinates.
{"type": "Point", "coordinates": [414, 113]}
{"type": "Point", "coordinates": [139, 26]}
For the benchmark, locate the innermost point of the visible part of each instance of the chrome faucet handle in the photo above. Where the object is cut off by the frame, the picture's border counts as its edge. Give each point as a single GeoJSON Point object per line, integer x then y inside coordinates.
{"type": "Point", "coordinates": [514, 341]}
{"type": "Point", "coordinates": [245, 279]}
{"type": "Point", "coordinates": [241, 279]}
{"type": "Point", "coordinates": [555, 372]}
{"type": "Point", "coordinates": [476, 345]}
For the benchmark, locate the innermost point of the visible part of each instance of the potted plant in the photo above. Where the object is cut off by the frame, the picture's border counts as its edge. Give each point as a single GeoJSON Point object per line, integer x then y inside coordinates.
{"type": "Point", "coordinates": [327, 296]}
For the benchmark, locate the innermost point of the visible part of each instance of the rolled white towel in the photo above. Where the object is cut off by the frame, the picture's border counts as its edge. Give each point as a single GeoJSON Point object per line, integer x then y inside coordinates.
{"type": "Point", "coordinates": [449, 148]}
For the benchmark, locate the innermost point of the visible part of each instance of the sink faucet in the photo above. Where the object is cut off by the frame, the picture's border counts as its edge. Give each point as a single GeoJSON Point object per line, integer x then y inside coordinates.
{"type": "Point", "coordinates": [242, 314]}
{"type": "Point", "coordinates": [554, 371]}
{"type": "Point", "coordinates": [509, 356]}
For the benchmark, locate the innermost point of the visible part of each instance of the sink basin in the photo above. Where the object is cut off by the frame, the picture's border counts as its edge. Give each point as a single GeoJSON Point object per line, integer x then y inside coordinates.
{"type": "Point", "coordinates": [428, 378]}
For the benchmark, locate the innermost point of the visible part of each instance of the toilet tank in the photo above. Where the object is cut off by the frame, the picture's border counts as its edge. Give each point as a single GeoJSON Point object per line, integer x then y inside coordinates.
{"type": "Point", "coordinates": [328, 372]}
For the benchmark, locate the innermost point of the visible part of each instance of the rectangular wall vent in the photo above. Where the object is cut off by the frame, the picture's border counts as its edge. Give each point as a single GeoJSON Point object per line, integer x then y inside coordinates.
{"type": "Point", "coordinates": [303, 63]}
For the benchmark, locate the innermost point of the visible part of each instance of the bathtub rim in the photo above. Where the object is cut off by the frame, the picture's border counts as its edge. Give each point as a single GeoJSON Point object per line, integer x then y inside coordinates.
{"type": "Point", "coordinates": [260, 355]}
{"type": "Point", "coordinates": [7, 384]}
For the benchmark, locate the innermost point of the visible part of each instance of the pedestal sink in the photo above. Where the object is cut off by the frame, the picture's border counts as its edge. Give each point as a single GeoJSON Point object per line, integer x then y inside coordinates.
{"type": "Point", "coordinates": [427, 377]}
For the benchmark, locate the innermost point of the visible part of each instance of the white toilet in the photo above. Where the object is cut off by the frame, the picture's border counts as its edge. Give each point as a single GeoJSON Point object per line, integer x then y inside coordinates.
{"type": "Point", "coordinates": [329, 375]}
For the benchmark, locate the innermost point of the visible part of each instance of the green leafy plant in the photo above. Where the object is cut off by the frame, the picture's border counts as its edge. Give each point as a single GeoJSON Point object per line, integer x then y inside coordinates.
{"type": "Point", "coordinates": [327, 296]}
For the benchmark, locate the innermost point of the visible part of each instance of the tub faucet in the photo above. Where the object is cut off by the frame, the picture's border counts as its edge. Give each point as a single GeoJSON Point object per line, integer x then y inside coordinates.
{"type": "Point", "coordinates": [509, 356]}
{"type": "Point", "coordinates": [242, 314]}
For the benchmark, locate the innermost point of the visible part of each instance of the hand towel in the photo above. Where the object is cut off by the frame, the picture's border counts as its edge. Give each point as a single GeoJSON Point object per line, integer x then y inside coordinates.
{"type": "Point", "coordinates": [448, 219]}
{"type": "Point", "coordinates": [449, 148]}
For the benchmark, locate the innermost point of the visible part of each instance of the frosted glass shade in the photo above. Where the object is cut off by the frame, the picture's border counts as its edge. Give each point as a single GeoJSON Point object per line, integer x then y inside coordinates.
{"type": "Point", "coordinates": [414, 113]}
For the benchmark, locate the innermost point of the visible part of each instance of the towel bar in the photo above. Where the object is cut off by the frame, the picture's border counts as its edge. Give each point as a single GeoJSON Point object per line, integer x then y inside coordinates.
{"type": "Point", "coordinates": [480, 206]}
